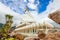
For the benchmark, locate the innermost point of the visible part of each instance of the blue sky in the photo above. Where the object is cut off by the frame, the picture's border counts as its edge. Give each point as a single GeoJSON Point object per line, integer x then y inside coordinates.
{"type": "Point", "coordinates": [38, 9]}
{"type": "Point", "coordinates": [43, 5]}
{"type": "Point", "coordinates": [33, 5]}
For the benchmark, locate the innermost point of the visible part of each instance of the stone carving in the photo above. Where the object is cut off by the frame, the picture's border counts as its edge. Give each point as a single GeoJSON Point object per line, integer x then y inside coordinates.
{"type": "Point", "coordinates": [55, 16]}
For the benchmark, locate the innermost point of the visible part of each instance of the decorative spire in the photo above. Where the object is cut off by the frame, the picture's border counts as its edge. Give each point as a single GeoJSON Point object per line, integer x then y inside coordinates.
{"type": "Point", "coordinates": [28, 13]}
{"type": "Point", "coordinates": [26, 8]}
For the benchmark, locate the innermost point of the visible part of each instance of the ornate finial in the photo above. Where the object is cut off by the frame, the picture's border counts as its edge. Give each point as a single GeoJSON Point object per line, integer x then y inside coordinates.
{"type": "Point", "coordinates": [26, 8]}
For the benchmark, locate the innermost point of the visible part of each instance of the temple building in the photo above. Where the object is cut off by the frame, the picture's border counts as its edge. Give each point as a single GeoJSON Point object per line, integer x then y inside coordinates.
{"type": "Point", "coordinates": [29, 27]}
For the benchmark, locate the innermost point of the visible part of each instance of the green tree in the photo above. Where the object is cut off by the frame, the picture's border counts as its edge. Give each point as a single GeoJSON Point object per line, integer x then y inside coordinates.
{"type": "Point", "coordinates": [8, 23]}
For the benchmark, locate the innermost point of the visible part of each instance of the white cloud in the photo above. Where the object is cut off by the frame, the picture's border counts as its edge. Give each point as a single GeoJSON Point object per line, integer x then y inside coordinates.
{"type": "Point", "coordinates": [25, 0]}
{"type": "Point", "coordinates": [32, 5]}
{"type": "Point", "coordinates": [31, 1]}
{"type": "Point", "coordinates": [53, 6]}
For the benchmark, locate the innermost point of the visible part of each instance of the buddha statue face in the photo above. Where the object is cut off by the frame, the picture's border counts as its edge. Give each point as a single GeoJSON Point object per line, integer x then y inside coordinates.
{"type": "Point", "coordinates": [55, 16]}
